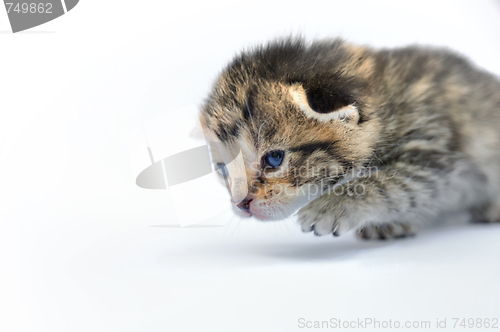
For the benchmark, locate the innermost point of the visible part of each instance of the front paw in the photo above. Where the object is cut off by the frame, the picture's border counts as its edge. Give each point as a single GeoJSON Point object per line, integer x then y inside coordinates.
{"type": "Point", "coordinates": [323, 219]}
{"type": "Point", "coordinates": [385, 231]}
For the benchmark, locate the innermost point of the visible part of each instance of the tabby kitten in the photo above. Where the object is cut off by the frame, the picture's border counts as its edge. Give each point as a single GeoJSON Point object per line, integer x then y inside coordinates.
{"type": "Point", "coordinates": [356, 138]}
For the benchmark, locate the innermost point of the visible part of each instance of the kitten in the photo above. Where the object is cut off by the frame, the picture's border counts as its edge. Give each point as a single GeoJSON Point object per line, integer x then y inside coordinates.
{"type": "Point", "coordinates": [357, 138]}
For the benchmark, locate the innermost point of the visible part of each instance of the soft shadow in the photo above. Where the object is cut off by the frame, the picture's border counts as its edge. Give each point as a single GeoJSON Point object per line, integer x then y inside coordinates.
{"type": "Point", "coordinates": [343, 248]}
{"type": "Point", "coordinates": [321, 251]}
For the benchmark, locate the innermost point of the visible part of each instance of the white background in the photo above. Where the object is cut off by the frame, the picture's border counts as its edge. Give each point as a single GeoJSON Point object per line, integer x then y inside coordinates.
{"type": "Point", "coordinates": [83, 249]}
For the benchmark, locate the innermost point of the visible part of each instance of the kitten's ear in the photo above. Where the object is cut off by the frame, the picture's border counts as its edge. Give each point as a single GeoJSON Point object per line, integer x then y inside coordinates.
{"type": "Point", "coordinates": [320, 105]}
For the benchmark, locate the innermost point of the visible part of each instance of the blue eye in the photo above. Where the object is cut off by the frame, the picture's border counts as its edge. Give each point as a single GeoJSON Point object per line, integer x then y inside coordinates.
{"type": "Point", "coordinates": [274, 158]}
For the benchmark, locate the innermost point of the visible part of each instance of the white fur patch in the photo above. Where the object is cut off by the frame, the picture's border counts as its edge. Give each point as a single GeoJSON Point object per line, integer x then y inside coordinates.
{"type": "Point", "coordinates": [346, 113]}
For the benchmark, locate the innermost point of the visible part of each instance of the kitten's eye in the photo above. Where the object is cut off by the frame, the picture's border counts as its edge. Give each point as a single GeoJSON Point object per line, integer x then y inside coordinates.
{"type": "Point", "coordinates": [274, 158]}
{"type": "Point", "coordinates": [222, 169]}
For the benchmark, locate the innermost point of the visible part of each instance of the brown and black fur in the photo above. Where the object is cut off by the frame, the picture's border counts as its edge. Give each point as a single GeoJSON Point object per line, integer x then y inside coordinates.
{"type": "Point", "coordinates": [420, 135]}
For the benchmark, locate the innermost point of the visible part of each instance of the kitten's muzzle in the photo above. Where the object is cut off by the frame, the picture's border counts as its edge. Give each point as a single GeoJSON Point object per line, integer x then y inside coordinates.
{"type": "Point", "coordinates": [245, 204]}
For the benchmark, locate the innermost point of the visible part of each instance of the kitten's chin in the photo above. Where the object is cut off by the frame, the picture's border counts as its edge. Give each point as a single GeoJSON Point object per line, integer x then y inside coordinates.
{"type": "Point", "coordinates": [273, 215]}
{"type": "Point", "coordinates": [259, 215]}
{"type": "Point", "coordinates": [240, 213]}
{"type": "Point", "coordinates": [267, 218]}
{"type": "Point", "coordinates": [269, 212]}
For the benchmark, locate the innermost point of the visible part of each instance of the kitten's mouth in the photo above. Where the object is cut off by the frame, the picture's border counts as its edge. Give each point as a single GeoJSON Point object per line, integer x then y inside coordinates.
{"type": "Point", "coordinates": [243, 214]}
{"type": "Point", "coordinates": [244, 205]}
{"type": "Point", "coordinates": [246, 210]}
{"type": "Point", "coordinates": [243, 208]}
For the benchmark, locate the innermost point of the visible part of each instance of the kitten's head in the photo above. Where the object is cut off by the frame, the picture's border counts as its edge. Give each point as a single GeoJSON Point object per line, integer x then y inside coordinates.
{"type": "Point", "coordinates": [294, 118]}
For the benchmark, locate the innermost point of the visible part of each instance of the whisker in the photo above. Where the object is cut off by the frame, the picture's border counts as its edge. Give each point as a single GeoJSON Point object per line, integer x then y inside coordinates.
{"type": "Point", "coordinates": [228, 224]}
{"type": "Point", "coordinates": [237, 226]}
{"type": "Point", "coordinates": [284, 217]}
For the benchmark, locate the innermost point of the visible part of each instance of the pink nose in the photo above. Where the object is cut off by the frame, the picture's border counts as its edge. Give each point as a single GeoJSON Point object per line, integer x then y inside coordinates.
{"type": "Point", "coordinates": [245, 204]}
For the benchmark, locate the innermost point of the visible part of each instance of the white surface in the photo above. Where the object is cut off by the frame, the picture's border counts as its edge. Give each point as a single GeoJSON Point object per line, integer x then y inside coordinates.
{"type": "Point", "coordinates": [77, 248]}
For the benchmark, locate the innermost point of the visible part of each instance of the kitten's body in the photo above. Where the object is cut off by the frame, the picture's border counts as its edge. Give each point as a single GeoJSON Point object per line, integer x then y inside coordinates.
{"type": "Point", "coordinates": [389, 137]}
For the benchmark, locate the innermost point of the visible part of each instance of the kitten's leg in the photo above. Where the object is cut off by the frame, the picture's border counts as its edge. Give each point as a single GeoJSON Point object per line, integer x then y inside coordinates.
{"type": "Point", "coordinates": [385, 231]}
{"type": "Point", "coordinates": [487, 213]}
{"type": "Point", "coordinates": [409, 190]}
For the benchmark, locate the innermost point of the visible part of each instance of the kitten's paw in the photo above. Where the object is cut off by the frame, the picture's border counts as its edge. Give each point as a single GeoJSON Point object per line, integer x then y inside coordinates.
{"type": "Point", "coordinates": [385, 231]}
{"type": "Point", "coordinates": [323, 221]}
{"type": "Point", "coordinates": [319, 224]}
{"type": "Point", "coordinates": [488, 213]}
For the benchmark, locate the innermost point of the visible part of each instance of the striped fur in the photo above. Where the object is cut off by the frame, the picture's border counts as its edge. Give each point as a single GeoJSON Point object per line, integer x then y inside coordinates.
{"type": "Point", "coordinates": [375, 140]}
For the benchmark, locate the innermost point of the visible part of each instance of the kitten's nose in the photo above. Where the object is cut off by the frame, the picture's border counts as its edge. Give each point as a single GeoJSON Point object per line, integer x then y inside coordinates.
{"type": "Point", "coordinates": [245, 204]}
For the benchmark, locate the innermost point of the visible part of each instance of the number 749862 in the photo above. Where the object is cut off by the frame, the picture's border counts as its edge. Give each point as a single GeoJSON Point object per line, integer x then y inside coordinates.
{"type": "Point", "coordinates": [29, 8]}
